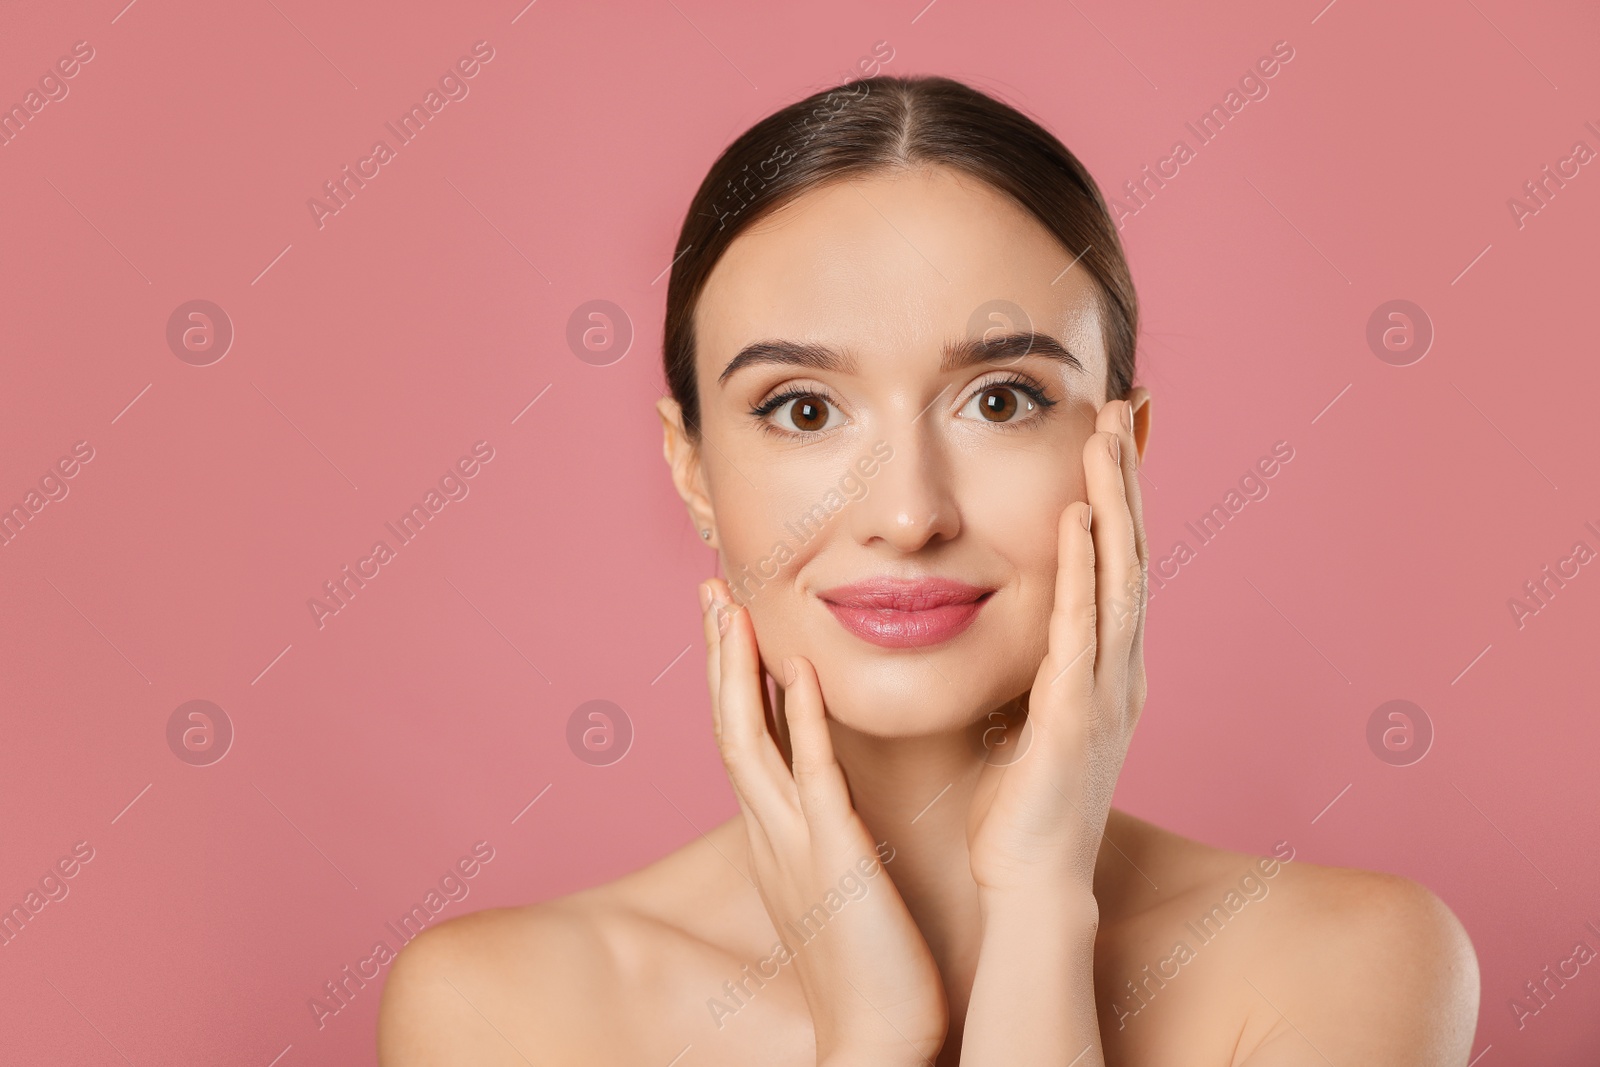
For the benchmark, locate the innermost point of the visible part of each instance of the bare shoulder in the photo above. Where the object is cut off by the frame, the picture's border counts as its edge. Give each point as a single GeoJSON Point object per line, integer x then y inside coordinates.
{"type": "Point", "coordinates": [1368, 966]}
{"type": "Point", "coordinates": [547, 983]}
{"type": "Point", "coordinates": [481, 988]}
{"type": "Point", "coordinates": [1305, 961]}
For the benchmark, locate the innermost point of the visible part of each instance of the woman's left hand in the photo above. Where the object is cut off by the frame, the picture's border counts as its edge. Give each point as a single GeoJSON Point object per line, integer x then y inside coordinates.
{"type": "Point", "coordinates": [1038, 814]}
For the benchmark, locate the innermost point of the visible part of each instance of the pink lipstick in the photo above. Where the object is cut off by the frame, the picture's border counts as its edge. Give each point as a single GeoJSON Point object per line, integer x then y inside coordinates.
{"type": "Point", "coordinates": [903, 612]}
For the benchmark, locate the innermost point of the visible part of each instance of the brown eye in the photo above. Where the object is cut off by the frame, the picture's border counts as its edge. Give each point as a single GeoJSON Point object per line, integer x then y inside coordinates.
{"type": "Point", "coordinates": [808, 413]}
{"type": "Point", "coordinates": [997, 404]}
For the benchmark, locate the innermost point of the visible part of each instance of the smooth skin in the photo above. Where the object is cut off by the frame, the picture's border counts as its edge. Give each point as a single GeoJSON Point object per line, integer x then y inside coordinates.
{"type": "Point", "coordinates": [890, 892]}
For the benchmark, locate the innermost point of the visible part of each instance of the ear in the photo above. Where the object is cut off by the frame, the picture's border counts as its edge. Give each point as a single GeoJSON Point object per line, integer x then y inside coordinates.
{"type": "Point", "coordinates": [683, 459]}
{"type": "Point", "coordinates": [1139, 397]}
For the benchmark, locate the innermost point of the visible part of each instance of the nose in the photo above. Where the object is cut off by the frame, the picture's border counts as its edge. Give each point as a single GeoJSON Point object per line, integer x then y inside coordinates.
{"type": "Point", "coordinates": [911, 503]}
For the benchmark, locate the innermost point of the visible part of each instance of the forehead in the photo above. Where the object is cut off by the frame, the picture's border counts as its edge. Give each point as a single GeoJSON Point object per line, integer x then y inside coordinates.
{"type": "Point", "coordinates": [891, 266]}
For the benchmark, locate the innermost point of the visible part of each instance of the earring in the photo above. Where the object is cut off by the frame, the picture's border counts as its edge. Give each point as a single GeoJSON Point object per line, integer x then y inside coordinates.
{"type": "Point", "coordinates": [705, 535]}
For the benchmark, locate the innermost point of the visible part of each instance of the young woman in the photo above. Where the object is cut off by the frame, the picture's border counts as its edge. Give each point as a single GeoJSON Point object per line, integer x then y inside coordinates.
{"type": "Point", "coordinates": [900, 346]}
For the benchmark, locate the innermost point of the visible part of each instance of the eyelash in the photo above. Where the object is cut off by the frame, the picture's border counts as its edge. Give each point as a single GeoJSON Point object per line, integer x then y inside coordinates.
{"type": "Point", "coordinates": [1023, 385]}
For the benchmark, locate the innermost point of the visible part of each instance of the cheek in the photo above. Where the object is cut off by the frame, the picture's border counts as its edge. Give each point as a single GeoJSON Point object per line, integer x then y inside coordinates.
{"type": "Point", "coordinates": [764, 544]}
{"type": "Point", "coordinates": [1017, 501]}
{"type": "Point", "coordinates": [773, 516]}
{"type": "Point", "coordinates": [1015, 509]}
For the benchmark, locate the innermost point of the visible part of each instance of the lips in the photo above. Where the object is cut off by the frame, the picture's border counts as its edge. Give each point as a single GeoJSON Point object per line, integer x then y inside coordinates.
{"type": "Point", "coordinates": [906, 613]}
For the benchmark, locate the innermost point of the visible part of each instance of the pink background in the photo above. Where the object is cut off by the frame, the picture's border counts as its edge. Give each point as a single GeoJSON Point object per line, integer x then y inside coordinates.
{"type": "Point", "coordinates": [370, 354]}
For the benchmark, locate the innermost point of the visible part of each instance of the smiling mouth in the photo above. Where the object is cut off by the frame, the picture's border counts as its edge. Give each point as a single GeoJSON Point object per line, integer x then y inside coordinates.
{"type": "Point", "coordinates": [897, 613]}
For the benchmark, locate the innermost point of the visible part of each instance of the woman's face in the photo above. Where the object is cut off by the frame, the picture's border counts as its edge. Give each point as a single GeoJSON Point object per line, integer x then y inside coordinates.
{"type": "Point", "coordinates": [867, 442]}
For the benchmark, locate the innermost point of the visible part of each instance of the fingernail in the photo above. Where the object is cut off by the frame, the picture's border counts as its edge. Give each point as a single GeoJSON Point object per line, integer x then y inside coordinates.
{"type": "Point", "coordinates": [705, 598]}
{"type": "Point", "coordinates": [1088, 513]}
{"type": "Point", "coordinates": [1130, 420]}
{"type": "Point", "coordinates": [1116, 450]}
{"type": "Point", "coordinates": [788, 671]}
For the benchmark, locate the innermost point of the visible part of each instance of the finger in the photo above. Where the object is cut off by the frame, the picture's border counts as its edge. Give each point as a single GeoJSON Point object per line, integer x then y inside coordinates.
{"type": "Point", "coordinates": [818, 779]}
{"type": "Point", "coordinates": [748, 751]}
{"type": "Point", "coordinates": [778, 723]}
{"type": "Point", "coordinates": [1067, 673]}
{"type": "Point", "coordinates": [710, 614]}
{"type": "Point", "coordinates": [708, 626]}
{"type": "Point", "coordinates": [1135, 495]}
{"type": "Point", "coordinates": [1134, 491]}
{"type": "Point", "coordinates": [1119, 576]}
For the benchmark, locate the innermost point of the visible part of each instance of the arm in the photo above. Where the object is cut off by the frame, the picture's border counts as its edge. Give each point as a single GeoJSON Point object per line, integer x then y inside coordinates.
{"type": "Point", "coordinates": [1036, 823]}
{"type": "Point", "coordinates": [1033, 994]}
{"type": "Point", "coordinates": [870, 982]}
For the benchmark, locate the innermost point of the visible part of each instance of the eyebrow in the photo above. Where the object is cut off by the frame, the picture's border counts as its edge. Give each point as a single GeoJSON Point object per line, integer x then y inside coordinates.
{"type": "Point", "coordinates": [955, 355]}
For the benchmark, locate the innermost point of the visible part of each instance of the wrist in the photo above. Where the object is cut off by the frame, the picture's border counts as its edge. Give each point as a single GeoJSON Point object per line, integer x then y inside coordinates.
{"type": "Point", "coordinates": [1033, 993]}
{"type": "Point", "coordinates": [1062, 908]}
{"type": "Point", "coordinates": [853, 1040]}
{"type": "Point", "coordinates": [862, 1049]}
{"type": "Point", "coordinates": [904, 1056]}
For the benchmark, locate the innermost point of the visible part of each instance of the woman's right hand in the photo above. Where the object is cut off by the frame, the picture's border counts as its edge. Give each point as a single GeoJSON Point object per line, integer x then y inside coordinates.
{"type": "Point", "coordinates": [870, 982]}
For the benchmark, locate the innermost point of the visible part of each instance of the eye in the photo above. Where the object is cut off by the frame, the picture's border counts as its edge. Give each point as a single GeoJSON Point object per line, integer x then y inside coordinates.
{"type": "Point", "coordinates": [1011, 400]}
{"type": "Point", "coordinates": [796, 411]}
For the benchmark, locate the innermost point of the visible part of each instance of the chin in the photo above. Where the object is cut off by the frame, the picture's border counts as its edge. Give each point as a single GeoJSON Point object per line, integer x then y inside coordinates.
{"type": "Point", "coordinates": [907, 707]}
{"type": "Point", "coordinates": [915, 692]}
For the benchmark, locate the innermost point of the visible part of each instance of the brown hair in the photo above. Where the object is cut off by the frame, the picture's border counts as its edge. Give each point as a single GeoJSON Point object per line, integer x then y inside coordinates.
{"type": "Point", "coordinates": [895, 122]}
